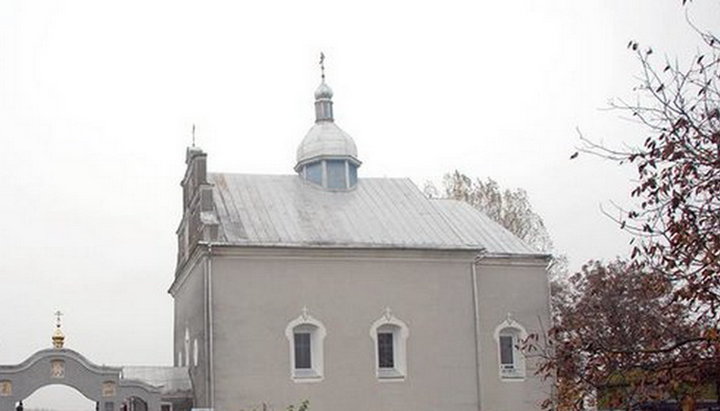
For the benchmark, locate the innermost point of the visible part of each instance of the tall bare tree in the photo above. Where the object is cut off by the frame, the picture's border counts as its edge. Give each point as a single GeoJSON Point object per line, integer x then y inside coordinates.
{"type": "Point", "coordinates": [677, 224]}
{"type": "Point", "coordinates": [644, 330]}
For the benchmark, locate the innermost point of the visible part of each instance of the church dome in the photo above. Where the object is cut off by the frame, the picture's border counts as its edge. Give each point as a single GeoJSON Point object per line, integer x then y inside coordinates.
{"type": "Point", "coordinates": [323, 91]}
{"type": "Point", "coordinates": [58, 338]}
{"type": "Point", "coordinates": [327, 156]}
{"type": "Point", "coordinates": [326, 140]}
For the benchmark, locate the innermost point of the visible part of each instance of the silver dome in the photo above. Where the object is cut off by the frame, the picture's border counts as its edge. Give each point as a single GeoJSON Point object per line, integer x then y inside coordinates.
{"type": "Point", "coordinates": [323, 91]}
{"type": "Point", "coordinates": [326, 140]}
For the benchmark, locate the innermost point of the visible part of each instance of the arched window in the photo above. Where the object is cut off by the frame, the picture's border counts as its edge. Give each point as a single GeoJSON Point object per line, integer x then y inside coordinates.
{"type": "Point", "coordinates": [508, 336]}
{"type": "Point", "coordinates": [305, 335]}
{"type": "Point", "coordinates": [389, 336]}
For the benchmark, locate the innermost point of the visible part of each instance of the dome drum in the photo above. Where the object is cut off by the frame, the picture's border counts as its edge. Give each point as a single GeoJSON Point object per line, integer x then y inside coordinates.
{"type": "Point", "coordinates": [331, 173]}
{"type": "Point", "coordinates": [324, 110]}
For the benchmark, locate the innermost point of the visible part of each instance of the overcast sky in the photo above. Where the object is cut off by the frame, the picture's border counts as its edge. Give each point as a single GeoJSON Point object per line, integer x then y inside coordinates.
{"type": "Point", "coordinates": [97, 100]}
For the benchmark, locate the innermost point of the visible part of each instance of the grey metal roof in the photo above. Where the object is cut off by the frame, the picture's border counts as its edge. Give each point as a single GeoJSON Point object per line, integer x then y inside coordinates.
{"type": "Point", "coordinates": [170, 380]}
{"type": "Point", "coordinates": [272, 210]}
{"type": "Point", "coordinates": [474, 225]}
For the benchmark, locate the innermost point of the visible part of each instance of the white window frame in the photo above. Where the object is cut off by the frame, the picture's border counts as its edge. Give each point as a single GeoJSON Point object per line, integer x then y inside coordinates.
{"type": "Point", "coordinates": [388, 323]}
{"type": "Point", "coordinates": [307, 323]}
{"type": "Point", "coordinates": [515, 371]}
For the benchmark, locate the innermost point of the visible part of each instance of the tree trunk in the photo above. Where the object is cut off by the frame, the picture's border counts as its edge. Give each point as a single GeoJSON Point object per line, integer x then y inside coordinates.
{"type": "Point", "coordinates": [688, 403]}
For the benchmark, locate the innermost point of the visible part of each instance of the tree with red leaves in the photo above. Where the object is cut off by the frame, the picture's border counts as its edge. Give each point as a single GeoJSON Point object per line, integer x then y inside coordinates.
{"type": "Point", "coordinates": [622, 341]}
{"type": "Point", "coordinates": [678, 221]}
{"type": "Point", "coordinates": [631, 333]}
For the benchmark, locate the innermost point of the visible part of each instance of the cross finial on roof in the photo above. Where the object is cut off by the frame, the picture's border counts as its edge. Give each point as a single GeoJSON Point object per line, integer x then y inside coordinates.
{"type": "Point", "coordinates": [322, 66]}
{"type": "Point", "coordinates": [509, 318]}
{"type": "Point", "coordinates": [193, 135]}
{"type": "Point", "coordinates": [387, 314]}
{"type": "Point", "coordinates": [305, 314]}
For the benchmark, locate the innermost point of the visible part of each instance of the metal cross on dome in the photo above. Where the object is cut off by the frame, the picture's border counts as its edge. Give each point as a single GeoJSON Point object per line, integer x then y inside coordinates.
{"type": "Point", "coordinates": [58, 314]}
{"type": "Point", "coordinates": [322, 65]}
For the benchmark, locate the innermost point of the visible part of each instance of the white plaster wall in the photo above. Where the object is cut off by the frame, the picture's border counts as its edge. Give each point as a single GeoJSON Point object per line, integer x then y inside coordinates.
{"type": "Point", "coordinates": [255, 298]}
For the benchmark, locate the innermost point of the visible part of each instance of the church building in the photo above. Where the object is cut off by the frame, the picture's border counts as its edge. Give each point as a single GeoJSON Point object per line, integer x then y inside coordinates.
{"type": "Point", "coordinates": [352, 293]}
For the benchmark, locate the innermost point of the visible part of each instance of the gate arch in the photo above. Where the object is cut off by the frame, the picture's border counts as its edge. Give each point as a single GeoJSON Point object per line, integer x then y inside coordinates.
{"type": "Point", "coordinates": [60, 396]}
{"type": "Point", "coordinates": [102, 384]}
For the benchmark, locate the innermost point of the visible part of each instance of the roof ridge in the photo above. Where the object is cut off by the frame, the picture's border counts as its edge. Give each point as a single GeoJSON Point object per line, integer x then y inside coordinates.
{"type": "Point", "coordinates": [232, 173]}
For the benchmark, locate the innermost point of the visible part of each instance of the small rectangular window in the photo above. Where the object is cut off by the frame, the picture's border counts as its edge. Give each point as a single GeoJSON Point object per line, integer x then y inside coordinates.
{"type": "Point", "coordinates": [314, 173]}
{"type": "Point", "coordinates": [506, 350]}
{"type": "Point", "coordinates": [352, 175]}
{"type": "Point", "coordinates": [336, 174]}
{"type": "Point", "coordinates": [302, 351]}
{"type": "Point", "coordinates": [386, 356]}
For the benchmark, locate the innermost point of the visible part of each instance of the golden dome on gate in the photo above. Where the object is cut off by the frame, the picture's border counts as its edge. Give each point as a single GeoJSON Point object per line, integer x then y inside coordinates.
{"type": "Point", "coordinates": [58, 338]}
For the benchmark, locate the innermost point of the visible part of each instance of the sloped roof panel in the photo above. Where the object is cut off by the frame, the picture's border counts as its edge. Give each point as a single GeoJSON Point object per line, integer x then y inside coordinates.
{"type": "Point", "coordinates": [380, 212]}
{"type": "Point", "coordinates": [473, 225]}
{"type": "Point", "coordinates": [170, 380]}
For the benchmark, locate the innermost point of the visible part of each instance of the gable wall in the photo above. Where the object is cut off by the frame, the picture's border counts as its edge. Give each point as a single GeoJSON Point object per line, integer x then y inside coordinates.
{"type": "Point", "coordinates": [189, 306]}
{"type": "Point", "coordinates": [510, 286]}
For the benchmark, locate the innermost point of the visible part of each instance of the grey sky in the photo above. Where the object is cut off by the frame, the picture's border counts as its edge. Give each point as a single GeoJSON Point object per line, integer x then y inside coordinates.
{"type": "Point", "coordinates": [97, 100]}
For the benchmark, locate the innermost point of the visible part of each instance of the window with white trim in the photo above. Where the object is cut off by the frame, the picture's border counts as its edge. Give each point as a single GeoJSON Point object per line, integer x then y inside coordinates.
{"type": "Point", "coordinates": [306, 335]}
{"type": "Point", "coordinates": [508, 336]}
{"type": "Point", "coordinates": [389, 336]}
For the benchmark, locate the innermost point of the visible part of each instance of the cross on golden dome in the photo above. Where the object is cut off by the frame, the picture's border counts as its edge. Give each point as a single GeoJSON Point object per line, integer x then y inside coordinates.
{"type": "Point", "coordinates": [58, 338]}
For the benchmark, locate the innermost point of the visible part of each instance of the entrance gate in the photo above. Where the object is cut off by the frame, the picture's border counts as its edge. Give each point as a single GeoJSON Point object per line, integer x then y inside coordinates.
{"type": "Point", "coordinates": [104, 385]}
